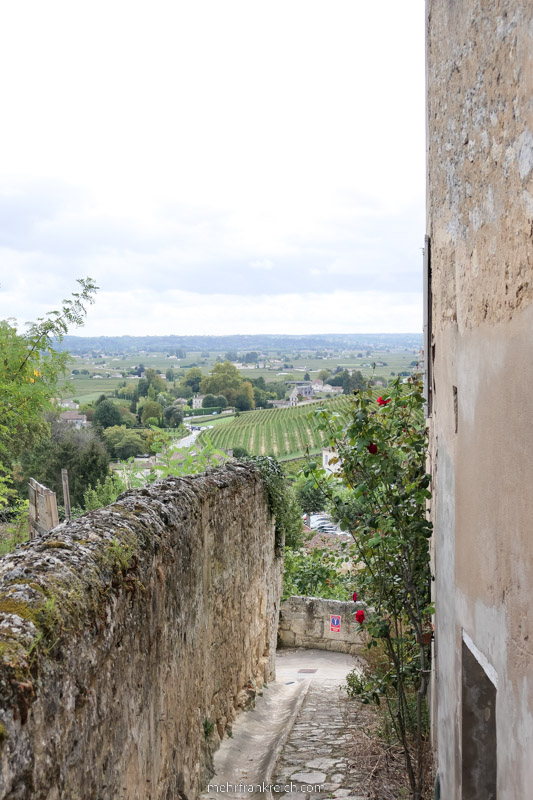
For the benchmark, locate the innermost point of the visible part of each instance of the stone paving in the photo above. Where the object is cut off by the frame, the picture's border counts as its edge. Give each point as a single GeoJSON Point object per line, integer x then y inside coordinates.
{"type": "Point", "coordinates": [316, 760]}
{"type": "Point", "coordinates": [297, 743]}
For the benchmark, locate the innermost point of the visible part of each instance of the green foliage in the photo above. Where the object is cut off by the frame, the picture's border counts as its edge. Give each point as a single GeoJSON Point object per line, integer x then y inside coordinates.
{"type": "Point", "coordinates": [310, 496]}
{"type": "Point", "coordinates": [281, 501]}
{"type": "Point", "coordinates": [208, 728]}
{"type": "Point", "coordinates": [78, 450]}
{"type": "Point", "coordinates": [151, 409]}
{"type": "Point", "coordinates": [17, 528]}
{"type": "Point", "coordinates": [30, 368]}
{"type": "Point", "coordinates": [123, 443]}
{"type": "Point", "coordinates": [106, 414]}
{"type": "Point", "coordinates": [316, 573]}
{"type": "Point", "coordinates": [193, 379]}
{"type": "Point", "coordinates": [173, 415]}
{"type": "Point", "coordinates": [224, 379]}
{"type": "Point", "coordinates": [104, 492]}
{"type": "Point", "coordinates": [382, 450]}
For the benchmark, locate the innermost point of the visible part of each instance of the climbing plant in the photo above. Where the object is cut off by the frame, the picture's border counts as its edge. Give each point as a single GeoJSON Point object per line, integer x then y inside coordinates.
{"type": "Point", "coordinates": [380, 496]}
{"type": "Point", "coordinates": [281, 500]}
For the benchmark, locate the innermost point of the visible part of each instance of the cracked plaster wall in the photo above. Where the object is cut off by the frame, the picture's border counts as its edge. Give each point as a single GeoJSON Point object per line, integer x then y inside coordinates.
{"type": "Point", "coordinates": [480, 220]}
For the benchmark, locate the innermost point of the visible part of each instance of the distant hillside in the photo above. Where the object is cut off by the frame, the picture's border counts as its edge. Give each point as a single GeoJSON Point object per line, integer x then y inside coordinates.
{"type": "Point", "coordinates": [260, 342]}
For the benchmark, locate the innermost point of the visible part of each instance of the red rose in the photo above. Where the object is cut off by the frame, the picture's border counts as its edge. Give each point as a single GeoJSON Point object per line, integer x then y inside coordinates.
{"type": "Point", "coordinates": [372, 448]}
{"type": "Point", "coordinates": [355, 597]}
{"type": "Point", "coordinates": [382, 402]}
{"type": "Point", "coordinates": [360, 616]}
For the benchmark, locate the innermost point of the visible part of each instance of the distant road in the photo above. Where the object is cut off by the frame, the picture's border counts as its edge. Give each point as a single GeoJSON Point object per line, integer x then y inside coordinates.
{"type": "Point", "coordinates": [187, 441]}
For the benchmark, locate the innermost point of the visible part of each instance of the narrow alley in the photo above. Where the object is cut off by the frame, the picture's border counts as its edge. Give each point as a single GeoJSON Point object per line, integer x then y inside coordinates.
{"type": "Point", "coordinates": [297, 741]}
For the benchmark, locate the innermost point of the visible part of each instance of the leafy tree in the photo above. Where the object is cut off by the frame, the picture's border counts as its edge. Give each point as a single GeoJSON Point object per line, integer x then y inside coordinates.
{"type": "Point", "coordinates": [324, 375]}
{"type": "Point", "coordinates": [128, 417]}
{"type": "Point", "coordinates": [88, 410]}
{"type": "Point", "coordinates": [127, 392]}
{"type": "Point", "coordinates": [224, 379]}
{"type": "Point", "coordinates": [232, 355]}
{"type": "Point", "coordinates": [193, 378]}
{"type": "Point", "coordinates": [30, 368]}
{"type": "Point", "coordinates": [155, 380]}
{"type": "Point", "coordinates": [259, 382]}
{"type": "Point", "coordinates": [170, 375]}
{"type": "Point", "coordinates": [310, 496]}
{"type": "Point", "coordinates": [307, 377]}
{"type": "Point", "coordinates": [151, 409]}
{"type": "Point", "coordinates": [209, 401]}
{"type": "Point", "coordinates": [142, 387]}
{"type": "Point", "coordinates": [221, 401]}
{"type": "Point", "coordinates": [173, 416]}
{"type": "Point", "coordinates": [245, 398]}
{"type": "Point", "coordinates": [123, 443]}
{"type": "Point", "coordinates": [106, 414]}
{"type": "Point", "coordinates": [250, 358]}
{"type": "Point", "coordinates": [78, 450]}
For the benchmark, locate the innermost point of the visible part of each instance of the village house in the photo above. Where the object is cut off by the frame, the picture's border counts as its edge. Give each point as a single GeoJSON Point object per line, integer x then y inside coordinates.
{"type": "Point", "coordinates": [73, 418]}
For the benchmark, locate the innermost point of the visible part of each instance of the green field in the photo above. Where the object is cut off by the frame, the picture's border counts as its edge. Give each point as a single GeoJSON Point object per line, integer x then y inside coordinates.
{"type": "Point", "coordinates": [87, 389]}
{"type": "Point", "coordinates": [282, 432]}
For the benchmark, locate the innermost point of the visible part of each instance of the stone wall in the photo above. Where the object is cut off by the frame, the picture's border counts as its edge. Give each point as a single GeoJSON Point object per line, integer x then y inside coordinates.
{"type": "Point", "coordinates": [130, 637]}
{"type": "Point", "coordinates": [306, 622]}
{"type": "Point", "coordinates": [480, 221]}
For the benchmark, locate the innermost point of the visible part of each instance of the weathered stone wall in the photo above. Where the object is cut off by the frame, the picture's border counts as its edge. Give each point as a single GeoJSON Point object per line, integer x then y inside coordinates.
{"type": "Point", "coordinates": [130, 637]}
{"type": "Point", "coordinates": [480, 158]}
{"type": "Point", "coordinates": [480, 220]}
{"type": "Point", "coordinates": [305, 622]}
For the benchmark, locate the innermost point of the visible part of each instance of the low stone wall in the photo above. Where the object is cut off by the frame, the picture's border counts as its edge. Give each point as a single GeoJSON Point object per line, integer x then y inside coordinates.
{"type": "Point", "coordinates": [306, 622]}
{"type": "Point", "coordinates": [131, 636]}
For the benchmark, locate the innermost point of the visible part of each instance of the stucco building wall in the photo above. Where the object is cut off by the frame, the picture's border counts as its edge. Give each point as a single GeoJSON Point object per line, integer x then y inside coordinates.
{"type": "Point", "coordinates": [480, 224]}
{"type": "Point", "coordinates": [130, 638]}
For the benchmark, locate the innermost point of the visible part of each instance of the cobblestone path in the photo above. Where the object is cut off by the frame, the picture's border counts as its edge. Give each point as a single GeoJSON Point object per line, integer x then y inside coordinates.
{"type": "Point", "coordinates": [297, 743]}
{"type": "Point", "coordinates": [317, 757]}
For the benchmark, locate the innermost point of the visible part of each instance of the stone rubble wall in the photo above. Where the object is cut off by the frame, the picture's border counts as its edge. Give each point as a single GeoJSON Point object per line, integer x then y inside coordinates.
{"type": "Point", "coordinates": [305, 622]}
{"type": "Point", "coordinates": [131, 637]}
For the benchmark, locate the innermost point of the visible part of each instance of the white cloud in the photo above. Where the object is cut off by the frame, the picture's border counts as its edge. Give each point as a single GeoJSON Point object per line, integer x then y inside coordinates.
{"type": "Point", "coordinates": [211, 148]}
{"type": "Point", "coordinates": [263, 264]}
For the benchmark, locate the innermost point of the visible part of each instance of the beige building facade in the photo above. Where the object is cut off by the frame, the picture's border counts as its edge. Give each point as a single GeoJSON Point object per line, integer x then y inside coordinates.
{"type": "Point", "coordinates": [479, 356]}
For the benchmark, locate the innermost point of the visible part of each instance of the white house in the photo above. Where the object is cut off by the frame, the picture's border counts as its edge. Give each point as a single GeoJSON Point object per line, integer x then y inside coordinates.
{"type": "Point", "coordinates": [73, 418]}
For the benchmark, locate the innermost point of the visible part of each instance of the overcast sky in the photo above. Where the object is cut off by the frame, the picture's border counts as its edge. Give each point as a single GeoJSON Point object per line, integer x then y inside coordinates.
{"type": "Point", "coordinates": [217, 166]}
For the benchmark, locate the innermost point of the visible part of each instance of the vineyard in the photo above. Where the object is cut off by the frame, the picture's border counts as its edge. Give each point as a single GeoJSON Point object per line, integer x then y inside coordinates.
{"type": "Point", "coordinates": [282, 432]}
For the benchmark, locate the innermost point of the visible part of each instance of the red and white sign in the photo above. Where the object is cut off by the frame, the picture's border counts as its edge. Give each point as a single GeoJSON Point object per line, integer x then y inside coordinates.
{"type": "Point", "coordinates": [335, 623]}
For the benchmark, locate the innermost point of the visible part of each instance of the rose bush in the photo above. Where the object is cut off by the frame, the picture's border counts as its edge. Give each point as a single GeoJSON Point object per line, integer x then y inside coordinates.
{"type": "Point", "coordinates": [380, 497]}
